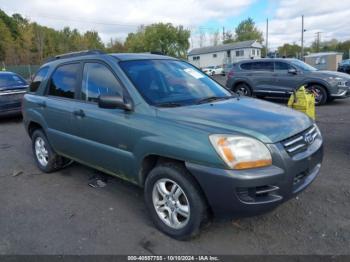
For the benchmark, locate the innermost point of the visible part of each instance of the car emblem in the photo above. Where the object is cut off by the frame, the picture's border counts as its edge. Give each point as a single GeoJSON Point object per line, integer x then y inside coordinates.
{"type": "Point", "coordinates": [309, 139]}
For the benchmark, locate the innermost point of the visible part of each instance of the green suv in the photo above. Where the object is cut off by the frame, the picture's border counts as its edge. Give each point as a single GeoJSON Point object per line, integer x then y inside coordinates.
{"type": "Point", "coordinates": [198, 150]}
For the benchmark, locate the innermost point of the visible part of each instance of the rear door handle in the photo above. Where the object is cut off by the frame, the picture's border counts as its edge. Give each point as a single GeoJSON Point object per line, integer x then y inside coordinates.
{"type": "Point", "coordinates": [79, 112]}
{"type": "Point", "coordinates": [41, 104]}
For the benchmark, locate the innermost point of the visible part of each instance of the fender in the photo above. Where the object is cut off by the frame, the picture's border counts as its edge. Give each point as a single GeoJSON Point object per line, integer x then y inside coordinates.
{"type": "Point", "coordinates": [30, 113]}
{"type": "Point", "coordinates": [317, 81]}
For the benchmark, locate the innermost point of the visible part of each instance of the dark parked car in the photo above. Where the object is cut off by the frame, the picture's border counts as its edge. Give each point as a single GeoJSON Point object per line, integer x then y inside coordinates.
{"type": "Point", "coordinates": [166, 126]}
{"type": "Point", "coordinates": [12, 89]}
{"type": "Point", "coordinates": [279, 77]}
{"type": "Point", "coordinates": [344, 66]}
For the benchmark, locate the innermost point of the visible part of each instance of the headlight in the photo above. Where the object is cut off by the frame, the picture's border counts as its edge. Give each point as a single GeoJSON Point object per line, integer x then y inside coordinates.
{"type": "Point", "coordinates": [340, 81]}
{"type": "Point", "coordinates": [240, 152]}
{"type": "Point", "coordinates": [318, 131]}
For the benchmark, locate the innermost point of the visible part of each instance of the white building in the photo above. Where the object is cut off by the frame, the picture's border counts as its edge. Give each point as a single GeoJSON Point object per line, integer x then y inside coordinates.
{"type": "Point", "coordinates": [224, 54]}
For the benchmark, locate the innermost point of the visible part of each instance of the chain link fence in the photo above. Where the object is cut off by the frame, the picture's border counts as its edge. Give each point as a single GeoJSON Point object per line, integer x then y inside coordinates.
{"type": "Point", "coordinates": [26, 71]}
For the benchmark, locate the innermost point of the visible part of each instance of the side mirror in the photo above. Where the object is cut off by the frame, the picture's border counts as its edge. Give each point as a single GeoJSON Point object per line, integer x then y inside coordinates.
{"type": "Point", "coordinates": [292, 71]}
{"type": "Point", "coordinates": [112, 102]}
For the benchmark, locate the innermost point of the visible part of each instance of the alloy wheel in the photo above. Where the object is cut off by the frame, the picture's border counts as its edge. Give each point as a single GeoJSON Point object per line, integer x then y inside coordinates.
{"type": "Point", "coordinates": [242, 90]}
{"type": "Point", "coordinates": [41, 151]}
{"type": "Point", "coordinates": [171, 203]}
{"type": "Point", "coordinates": [317, 93]}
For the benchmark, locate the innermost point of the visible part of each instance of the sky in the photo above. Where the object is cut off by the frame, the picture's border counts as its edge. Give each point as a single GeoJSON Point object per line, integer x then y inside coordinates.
{"type": "Point", "coordinates": [116, 18]}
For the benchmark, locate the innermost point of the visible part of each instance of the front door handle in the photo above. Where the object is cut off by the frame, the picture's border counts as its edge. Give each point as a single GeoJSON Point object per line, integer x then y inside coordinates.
{"type": "Point", "coordinates": [79, 112]}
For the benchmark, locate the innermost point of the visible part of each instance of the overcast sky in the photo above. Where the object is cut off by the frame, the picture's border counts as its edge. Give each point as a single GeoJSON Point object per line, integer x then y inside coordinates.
{"type": "Point", "coordinates": [115, 18]}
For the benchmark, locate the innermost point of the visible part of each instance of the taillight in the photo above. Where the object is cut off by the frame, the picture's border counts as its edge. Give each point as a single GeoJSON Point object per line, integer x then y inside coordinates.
{"type": "Point", "coordinates": [230, 74]}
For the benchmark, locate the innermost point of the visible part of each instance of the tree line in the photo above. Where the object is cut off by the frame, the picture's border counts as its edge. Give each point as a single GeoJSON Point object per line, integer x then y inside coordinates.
{"type": "Point", "coordinates": [294, 50]}
{"type": "Point", "coordinates": [25, 42]}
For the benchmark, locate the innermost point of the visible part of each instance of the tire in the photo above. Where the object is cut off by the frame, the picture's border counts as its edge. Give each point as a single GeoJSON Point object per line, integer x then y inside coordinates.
{"type": "Point", "coordinates": [321, 95]}
{"type": "Point", "coordinates": [45, 157]}
{"type": "Point", "coordinates": [169, 176]}
{"type": "Point", "coordinates": [243, 89]}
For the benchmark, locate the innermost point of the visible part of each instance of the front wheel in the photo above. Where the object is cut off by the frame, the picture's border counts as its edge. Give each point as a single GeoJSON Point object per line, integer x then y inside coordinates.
{"type": "Point", "coordinates": [243, 89]}
{"type": "Point", "coordinates": [174, 200]}
{"type": "Point", "coordinates": [320, 94]}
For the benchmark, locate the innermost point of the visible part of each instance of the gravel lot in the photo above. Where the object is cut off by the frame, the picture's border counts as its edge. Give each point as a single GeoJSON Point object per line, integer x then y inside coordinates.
{"type": "Point", "coordinates": [59, 213]}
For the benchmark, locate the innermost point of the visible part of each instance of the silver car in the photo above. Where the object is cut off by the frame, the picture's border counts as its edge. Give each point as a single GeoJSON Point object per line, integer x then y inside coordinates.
{"type": "Point", "coordinates": [280, 77]}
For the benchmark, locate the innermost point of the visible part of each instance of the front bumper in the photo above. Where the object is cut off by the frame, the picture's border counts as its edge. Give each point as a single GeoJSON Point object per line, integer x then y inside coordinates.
{"type": "Point", "coordinates": [343, 94]}
{"type": "Point", "coordinates": [343, 91]}
{"type": "Point", "coordinates": [239, 193]}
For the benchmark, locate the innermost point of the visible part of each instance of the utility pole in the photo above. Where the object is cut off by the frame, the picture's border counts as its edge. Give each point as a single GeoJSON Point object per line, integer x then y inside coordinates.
{"type": "Point", "coordinates": [318, 40]}
{"type": "Point", "coordinates": [267, 37]}
{"type": "Point", "coordinates": [223, 34]}
{"type": "Point", "coordinates": [302, 38]}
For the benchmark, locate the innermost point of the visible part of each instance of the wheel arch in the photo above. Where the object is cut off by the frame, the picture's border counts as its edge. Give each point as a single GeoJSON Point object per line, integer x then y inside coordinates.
{"type": "Point", "coordinates": [313, 82]}
{"type": "Point", "coordinates": [32, 126]}
{"type": "Point", "coordinates": [150, 161]}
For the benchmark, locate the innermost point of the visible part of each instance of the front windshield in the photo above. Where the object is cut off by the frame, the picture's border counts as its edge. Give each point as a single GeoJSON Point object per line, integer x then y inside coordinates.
{"type": "Point", "coordinates": [11, 80]}
{"type": "Point", "coordinates": [163, 82]}
{"type": "Point", "coordinates": [303, 66]}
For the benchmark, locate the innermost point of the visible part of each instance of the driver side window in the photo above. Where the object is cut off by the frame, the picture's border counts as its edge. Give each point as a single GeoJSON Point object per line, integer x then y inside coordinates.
{"type": "Point", "coordinates": [281, 66]}
{"type": "Point", "coordinates": [98, 80]}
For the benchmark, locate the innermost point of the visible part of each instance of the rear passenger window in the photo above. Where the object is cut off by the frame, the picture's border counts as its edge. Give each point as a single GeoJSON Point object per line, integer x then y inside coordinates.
{"type": "Point", "coordinates": [98, 80]}
{"type": "Point", "coordinates": [262, 66]}
{"type": "Point", "coordinates": [39, 77]}
{"type": "Point", "coordinates": [64, 81]}
{"type": "Point", "coordinates": [246, 66]}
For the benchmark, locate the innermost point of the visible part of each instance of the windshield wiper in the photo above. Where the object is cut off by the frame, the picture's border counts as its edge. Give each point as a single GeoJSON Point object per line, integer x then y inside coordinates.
{"type": "Point", "coordinates": [212, 98]}
{"type": "Point", "coordinates": [168, 104]}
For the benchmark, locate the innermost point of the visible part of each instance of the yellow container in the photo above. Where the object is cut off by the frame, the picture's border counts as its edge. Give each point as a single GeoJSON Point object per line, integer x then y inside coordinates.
{"type": "Point", "coordinates": [303, 101]}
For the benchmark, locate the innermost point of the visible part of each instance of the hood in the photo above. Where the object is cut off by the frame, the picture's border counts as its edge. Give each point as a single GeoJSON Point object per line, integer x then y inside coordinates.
{"type": "Point", "coordinates": [326, 73]}
{"type": "Point", "coordinates": [263, 120]}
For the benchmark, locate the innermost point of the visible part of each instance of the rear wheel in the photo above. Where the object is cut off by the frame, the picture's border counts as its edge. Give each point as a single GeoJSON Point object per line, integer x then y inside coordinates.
{"type": "Point", "coordinates": [45, 157]}
{"type": "Point", "coordinates": [174, 200]}
{"type": "Point", "coordinates": [320, 94]}
{"type": "Point", "coordinates": [243, 89]}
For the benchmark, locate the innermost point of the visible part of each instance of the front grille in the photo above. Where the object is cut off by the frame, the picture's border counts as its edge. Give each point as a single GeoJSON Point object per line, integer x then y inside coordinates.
{"type": "Point", "coordinates": [347, 83]}
{"type": "Point", "coordinates": [300, 142]}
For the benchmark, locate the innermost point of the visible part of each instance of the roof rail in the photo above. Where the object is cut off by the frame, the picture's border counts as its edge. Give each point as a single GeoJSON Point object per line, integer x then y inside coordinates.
{"type": "Point", "coordinates": [154, 53]}
{"type": "Point", "coordinates": [76, 54]}
{"type": "Point", "coordinates": [80, 53]}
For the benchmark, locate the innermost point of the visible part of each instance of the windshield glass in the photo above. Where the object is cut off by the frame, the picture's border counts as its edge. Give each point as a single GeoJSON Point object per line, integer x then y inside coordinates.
{"type": "Point", "coordinates": [11, 80]}
{"type": "Point", "coordinates": [303, 66]}
{"type": "Point", "coordinates": [171, 81]}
